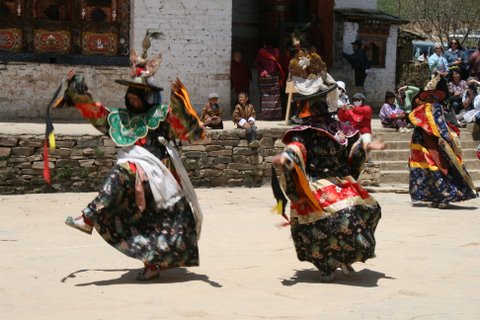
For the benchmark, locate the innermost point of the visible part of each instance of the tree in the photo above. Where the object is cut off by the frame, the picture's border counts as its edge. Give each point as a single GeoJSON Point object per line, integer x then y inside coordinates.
{"type": "Point", "coordinates": [440, 19]}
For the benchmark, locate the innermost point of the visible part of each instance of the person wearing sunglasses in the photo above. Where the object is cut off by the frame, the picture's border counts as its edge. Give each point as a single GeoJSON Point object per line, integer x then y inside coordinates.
{"type": "Point", "coordinates": [456, 57]}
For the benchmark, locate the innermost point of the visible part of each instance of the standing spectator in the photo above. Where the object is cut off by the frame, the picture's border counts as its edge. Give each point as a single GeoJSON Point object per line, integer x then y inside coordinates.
{"type": "Point", "coordinates": [391, 115]}
{"type": "Point", "coordinates": [437, 63]}
{"type": "Point", "coordinates": [240, 75]}
{"type": "Point", "coordinates": [359, 61]}
{"type": "Point", "coordinates": [270, 79]}
{"type": "Point", "coordinates": [244, 117]}
{"type": "Point", "coordinates": [456, 89]}
{"type": "Point", "coordinates": [474, 63]}
{"type": "Point", "coordinates": [455, 57]}
{"type": "Point", "coordinates": [212, 113]}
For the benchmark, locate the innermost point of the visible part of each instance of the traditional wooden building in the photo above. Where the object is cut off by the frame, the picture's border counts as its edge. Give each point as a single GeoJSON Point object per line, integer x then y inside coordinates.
{"type": "Point", "coordinates": [41, 40]}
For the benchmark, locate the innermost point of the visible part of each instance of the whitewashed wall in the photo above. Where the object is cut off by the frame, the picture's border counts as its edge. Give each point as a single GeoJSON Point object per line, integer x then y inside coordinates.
{"type": "Point", "coordinates": [360, 4]}
{"type": "Point", "coordinates": [197, 44]}
{"type": "Point", "coordinates": [381, 80]}
{"type": "Point", "coordinates": [196, 48]}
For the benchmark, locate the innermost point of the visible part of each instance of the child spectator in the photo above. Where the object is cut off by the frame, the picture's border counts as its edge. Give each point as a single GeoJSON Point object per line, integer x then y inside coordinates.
{"type": "Point", "coordinates": [244, 117]}
{"type": "Point", "coordinates": [391, 116]}
{"type": "Point", "coordinates": [212, 113]}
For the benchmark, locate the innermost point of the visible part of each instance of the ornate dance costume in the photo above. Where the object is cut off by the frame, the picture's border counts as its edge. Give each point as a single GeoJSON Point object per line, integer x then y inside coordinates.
{"type": "Point", "coordinates": [146, 208]}
{"type": "Point", "coordinates": [437, 173]}
{"type": "Point", "coordinates": [332, 218]}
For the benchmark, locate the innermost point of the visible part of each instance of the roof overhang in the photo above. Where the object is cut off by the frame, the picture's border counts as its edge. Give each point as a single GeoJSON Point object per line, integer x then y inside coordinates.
{"type": "Point", "coordinates": [357, 15]}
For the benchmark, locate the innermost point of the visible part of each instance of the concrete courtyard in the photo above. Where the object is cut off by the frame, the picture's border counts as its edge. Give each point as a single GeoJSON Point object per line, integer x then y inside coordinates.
{"type": "Point", "coordinates": [426, 266]}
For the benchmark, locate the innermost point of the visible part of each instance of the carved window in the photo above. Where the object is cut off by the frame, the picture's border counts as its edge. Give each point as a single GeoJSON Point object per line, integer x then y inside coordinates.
{"type": "Point", "coordinates": [374, 34]}
{"type": "Point", "coordinates": [65, 31]}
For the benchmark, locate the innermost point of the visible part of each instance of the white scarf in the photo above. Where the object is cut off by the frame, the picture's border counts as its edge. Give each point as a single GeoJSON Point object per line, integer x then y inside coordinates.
{"type": "Point", "coordinates": [165, 189]}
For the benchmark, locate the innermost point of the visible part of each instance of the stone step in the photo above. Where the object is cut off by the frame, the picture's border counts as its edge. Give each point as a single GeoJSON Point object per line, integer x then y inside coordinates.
{"type": "Point", "coordinates": [392, 135]}
{"type": "Point", "coordinates": [470, 164]}
{"type": "Point", "coordinates": [403, 154]}
{"type": "Point", "coordinates": [401, 176]}
{"type": "Point", "coordinates": [395, 145]}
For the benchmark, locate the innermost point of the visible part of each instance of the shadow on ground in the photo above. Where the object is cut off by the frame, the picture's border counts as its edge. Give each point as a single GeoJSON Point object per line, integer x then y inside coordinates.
{"type": "Point", "coordinates": [129, 277]}
{"type": "Point", "coordinates": [363, 278]}
{"type": "Point", "coordinates": [450, 206]}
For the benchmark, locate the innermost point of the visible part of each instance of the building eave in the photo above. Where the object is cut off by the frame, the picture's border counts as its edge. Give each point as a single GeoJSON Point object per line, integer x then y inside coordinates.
{"type": "Point", "coordinates": [354, 14]}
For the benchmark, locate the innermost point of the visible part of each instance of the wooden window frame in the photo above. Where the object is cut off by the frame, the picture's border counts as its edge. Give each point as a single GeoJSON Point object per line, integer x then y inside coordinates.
{"type": "Point", "coordinates": [374, 35]}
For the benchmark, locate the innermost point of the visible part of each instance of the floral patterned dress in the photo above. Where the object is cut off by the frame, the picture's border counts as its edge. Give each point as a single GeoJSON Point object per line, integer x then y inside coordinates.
{"type": "Point", "coordinates": [337, 225]}
{"type": "Point", "coordinates": [163, 236]}
{"type": "Point", "coordinates": [437, 173]}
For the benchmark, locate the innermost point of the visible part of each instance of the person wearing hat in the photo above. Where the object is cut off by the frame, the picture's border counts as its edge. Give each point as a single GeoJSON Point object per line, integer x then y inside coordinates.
{"type": "Point", "coordinates": [437, 172]}
{"type": "Point", "coordinates": [329, 210]}
{"type": "Point", "coordinates": [360, 117]}
{"type": "Point", "coordinates": [143, 209]}
{"type": "Point", "coordinates": [342, 94]}
{"type": "Point", "coordinates": [359, 61]}
{"type": "Point", "coordinates": [212, 113]}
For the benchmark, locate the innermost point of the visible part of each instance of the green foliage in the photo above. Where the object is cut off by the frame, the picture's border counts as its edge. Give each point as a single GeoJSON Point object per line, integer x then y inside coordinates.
{"type": "Point", "coordinates": [438, 19]}
{"type": "Point", "coordinates": [64, 173]}
{"type": "Point", "coordinates": [99, 152]}
{"type": "Point", "coordinates": [389, 6]}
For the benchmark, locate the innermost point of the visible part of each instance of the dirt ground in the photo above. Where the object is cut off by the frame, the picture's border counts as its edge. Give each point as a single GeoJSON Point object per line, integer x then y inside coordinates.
{"type": "Point", "coordinates": [426, 266]}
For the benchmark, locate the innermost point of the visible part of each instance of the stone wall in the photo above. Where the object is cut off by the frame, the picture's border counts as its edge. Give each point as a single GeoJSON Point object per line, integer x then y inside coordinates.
{"type": "Point", "coordinates": [81, 163]}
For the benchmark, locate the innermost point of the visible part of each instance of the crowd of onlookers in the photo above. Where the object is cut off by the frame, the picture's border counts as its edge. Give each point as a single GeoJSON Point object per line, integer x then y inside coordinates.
{"type": "Point", "coordinates": [460, 73]}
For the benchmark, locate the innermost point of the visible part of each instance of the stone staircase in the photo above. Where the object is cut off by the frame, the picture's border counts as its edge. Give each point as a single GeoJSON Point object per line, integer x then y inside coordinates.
{"type": "Point", "coordinates": [393, 162]}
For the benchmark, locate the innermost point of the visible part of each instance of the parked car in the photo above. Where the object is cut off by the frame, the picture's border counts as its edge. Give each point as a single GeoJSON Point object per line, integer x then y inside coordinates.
{"type": "Point", "coordinates": [421, 46]}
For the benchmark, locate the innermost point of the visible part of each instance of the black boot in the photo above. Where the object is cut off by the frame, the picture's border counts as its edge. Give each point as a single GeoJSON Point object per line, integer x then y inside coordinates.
{"type": "Point", "coordinates": [252, 137]}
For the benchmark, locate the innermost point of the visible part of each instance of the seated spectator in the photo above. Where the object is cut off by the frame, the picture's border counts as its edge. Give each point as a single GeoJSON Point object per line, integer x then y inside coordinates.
{"type": "Point", "coordinates": [471, 104]}
{"type": "Point", "coordinates": [404, 97]}
{"type": "Point", "coordinates": [212, 113]}
{"type": "Point", "coordinates": [360, 117]}
{"type": "Point", "coordinates": [244, 117]}
{"type": "Point", "coordinates": [391, 116]}
{"type": "Point", "coordinates": [456, 89]}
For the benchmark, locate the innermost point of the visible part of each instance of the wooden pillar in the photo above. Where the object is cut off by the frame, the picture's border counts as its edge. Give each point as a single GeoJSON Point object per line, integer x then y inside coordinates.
{"type": "Point", "coordinates": [322, 31]}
